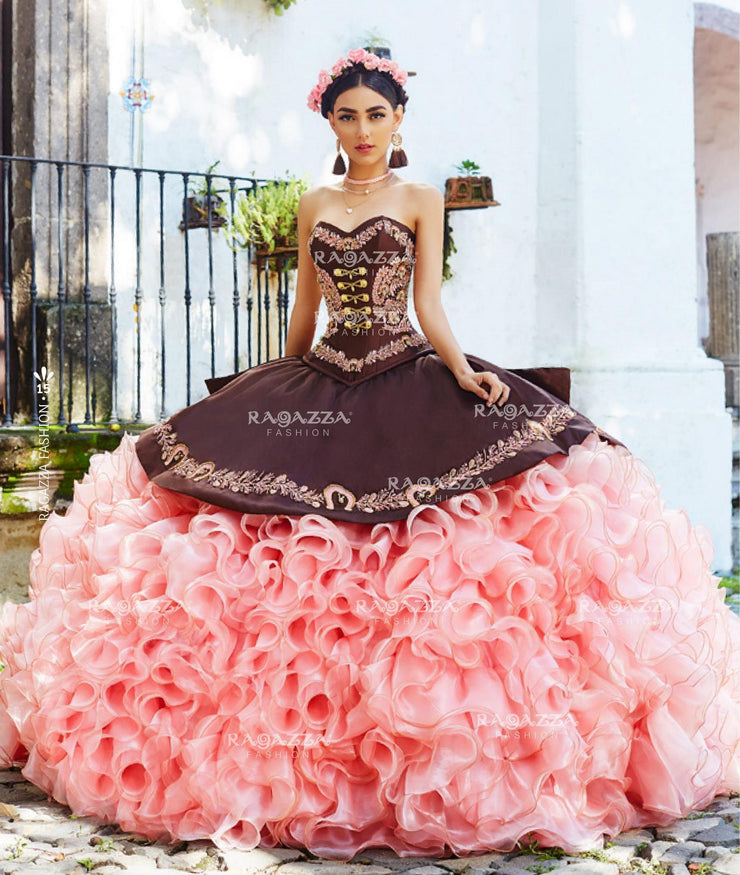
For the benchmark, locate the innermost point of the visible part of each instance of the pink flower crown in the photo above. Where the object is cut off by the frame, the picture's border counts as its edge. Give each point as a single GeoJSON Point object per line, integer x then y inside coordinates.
{"type": "Point", "coordinates": [355, 56]}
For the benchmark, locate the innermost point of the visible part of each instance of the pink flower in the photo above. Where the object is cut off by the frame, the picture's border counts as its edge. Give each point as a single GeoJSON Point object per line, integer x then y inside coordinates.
{"type": "Point", "coordinates": [372, 62]}
{"type": "Point", "coordinates": [314, 98]}
{"type": "Point", "coordinates": [324, 78]}
{"type": "Point", "coordinates": [339, 66]}
{"type": "Point", "coordinates": [357, 55]}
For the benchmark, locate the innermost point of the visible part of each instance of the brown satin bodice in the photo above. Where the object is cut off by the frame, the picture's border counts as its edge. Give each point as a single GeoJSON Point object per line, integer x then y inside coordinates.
{"type": "Point", "coordinates": [364, 275]}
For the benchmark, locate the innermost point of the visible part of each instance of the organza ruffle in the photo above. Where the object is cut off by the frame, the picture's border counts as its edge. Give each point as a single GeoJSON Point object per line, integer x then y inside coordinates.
{"type": "Point", "coordinates": [548, 657]}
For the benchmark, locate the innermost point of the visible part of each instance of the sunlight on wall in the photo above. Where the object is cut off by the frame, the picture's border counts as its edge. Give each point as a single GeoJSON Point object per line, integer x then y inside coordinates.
{"type": "Point", "coordinates": [202, 84]}
{"type": "Point", "coordinates": [477, 32]}
{"type": "Point", "coordinates": [624, 23]}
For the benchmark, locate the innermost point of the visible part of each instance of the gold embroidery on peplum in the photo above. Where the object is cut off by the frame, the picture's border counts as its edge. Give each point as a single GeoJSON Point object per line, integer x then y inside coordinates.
{"type": "Point", "coordinates": [336, 490]}
{"type": "Point", "coordinates": [224, 478]}
{"type": "Point", "coordinates": [337, 496]}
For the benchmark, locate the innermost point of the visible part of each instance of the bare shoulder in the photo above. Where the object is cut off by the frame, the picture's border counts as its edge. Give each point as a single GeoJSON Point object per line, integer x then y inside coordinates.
{"type": "Point", "coordinates": [425, 198]}
{"type": "Point", "coordinates": [312, 198]}
{"type": "Point", "coordinates": [311, 202]}
{"type": "Point", "coordinates": [426, 203]}
{"type": "Point", "coordinates": [424, 190]}
{"type": "Point", "coordinates": [316, 194]}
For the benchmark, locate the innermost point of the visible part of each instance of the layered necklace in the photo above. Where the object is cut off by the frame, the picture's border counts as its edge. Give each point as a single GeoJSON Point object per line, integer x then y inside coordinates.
{"type": "Point", "coordinates": [364, 182]}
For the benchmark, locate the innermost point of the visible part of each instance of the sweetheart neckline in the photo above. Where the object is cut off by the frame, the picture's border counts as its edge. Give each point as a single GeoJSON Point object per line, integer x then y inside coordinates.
{"type": "Point", "coordinates": [357, 227]}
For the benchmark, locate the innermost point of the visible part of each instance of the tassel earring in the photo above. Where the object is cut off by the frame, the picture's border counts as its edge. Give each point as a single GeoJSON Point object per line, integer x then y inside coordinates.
{"type": "Point", "coordinates": [398, 156]}
{"type": "Point", "coordinates": [339, 166]}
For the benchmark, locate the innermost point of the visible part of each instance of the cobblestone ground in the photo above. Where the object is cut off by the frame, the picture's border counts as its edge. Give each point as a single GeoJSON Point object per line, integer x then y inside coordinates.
{"type": "Point", "coordinates": [41, 836]}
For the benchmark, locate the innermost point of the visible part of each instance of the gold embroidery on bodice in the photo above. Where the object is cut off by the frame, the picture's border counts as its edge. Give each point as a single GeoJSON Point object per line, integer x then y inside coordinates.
{"type": "Point", "coordinates": [365, 288]}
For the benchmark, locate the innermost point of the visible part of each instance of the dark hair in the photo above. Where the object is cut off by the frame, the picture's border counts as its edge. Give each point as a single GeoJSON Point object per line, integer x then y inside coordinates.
{"type": "Point", "coordinates": [379, 80]}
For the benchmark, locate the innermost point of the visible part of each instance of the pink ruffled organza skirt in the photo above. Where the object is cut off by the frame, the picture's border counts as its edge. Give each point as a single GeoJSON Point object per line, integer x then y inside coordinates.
{"type": "Point", "coordinates": [546, 658]}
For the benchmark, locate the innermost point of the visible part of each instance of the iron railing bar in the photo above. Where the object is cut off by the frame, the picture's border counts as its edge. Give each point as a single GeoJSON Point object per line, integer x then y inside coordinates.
{"type": "Point", "coordinates": [235, 272]}
{"type": "Point", "coordinates": [185, 178]}
{"type": "Point", "coordinates": [162, 299]}
{"type": "Point", "coordinates": [112, 298]}
{"type": "Point", "coordinates": [86, 290]}
{"type": "Point", "coordinates": [61, 296]}
{"type": "Point", "coordinates": [33, 290]}
{"type": "Point", "coordinates": [250, 303]}
{"type": "Point", "coordinates": [211, 292]}
{"type": "Point", "coordinates": [267, 308]}
{"type": "Point", "coordinates": [138, 294]}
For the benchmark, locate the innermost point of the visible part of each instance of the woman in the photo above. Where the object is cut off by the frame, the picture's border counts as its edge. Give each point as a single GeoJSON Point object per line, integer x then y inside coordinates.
{"type": "Point", "coordinates": [378, 591]}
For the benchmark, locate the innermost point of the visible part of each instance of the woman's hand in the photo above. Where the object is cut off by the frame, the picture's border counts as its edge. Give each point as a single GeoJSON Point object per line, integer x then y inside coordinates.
{"type": "Point", "coordinates": [476, 381]}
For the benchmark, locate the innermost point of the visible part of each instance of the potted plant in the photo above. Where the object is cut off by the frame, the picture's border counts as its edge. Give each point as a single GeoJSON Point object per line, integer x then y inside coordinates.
{"type": "Point", "coordinates": [195, 211]}
{"type": "Point", "coordinates": [376, 44]}
{"type": "Point", "coordinates": [267, 217]}
{"type": "Point", "coordinates": [469, 190]}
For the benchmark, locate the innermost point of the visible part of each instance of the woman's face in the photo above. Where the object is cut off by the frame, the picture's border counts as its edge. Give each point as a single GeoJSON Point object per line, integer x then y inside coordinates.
{"type": "Point", "coordinates": [362, 116]}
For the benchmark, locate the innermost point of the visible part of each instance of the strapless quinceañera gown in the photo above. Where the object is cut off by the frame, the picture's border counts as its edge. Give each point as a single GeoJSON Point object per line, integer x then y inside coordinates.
{"type": "Point", "coordinates": [340, 603]}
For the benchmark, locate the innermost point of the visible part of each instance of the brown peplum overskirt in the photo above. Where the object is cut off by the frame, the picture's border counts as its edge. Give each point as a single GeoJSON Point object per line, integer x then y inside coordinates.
{"type": "Point", "coordinates": [284, 437]}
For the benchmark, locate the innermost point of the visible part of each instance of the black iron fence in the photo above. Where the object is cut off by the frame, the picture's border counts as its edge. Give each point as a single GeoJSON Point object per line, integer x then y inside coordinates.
{"type": "Point", "coordinates": [121, 293]}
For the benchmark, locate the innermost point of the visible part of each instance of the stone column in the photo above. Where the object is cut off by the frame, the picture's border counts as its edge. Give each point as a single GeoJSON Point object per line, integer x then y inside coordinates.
{"type": "Point", "coordinates": [617, 209]}
{"type": "Point", "coordinates": [60, 99]}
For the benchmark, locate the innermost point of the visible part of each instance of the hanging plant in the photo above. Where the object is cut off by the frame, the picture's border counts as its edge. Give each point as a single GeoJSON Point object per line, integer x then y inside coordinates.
{"type": "Point", "coordinates": [448, 247]}
{"type": "Point", "coordinates": [279, 6]}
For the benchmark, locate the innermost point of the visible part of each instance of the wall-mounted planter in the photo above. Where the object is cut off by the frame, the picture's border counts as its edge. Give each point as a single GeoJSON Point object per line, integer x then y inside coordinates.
{"type": "Point", "coordinates": [284, 253]}
{"type": "Point", "coordinates": [280, 244]}
{"type": "Point", "coordinates": [195, 212]}
{"type": "Point", "coordinates": [380, 51]}
{"type": "Point", "coordinates": [469, 193]}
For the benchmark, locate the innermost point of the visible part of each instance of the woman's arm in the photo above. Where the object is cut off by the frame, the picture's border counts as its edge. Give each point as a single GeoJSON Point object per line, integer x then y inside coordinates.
{"type": "Point", "coordinates": [428, 304]}
{"type": "Point", "coordinates": [304, 315]}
